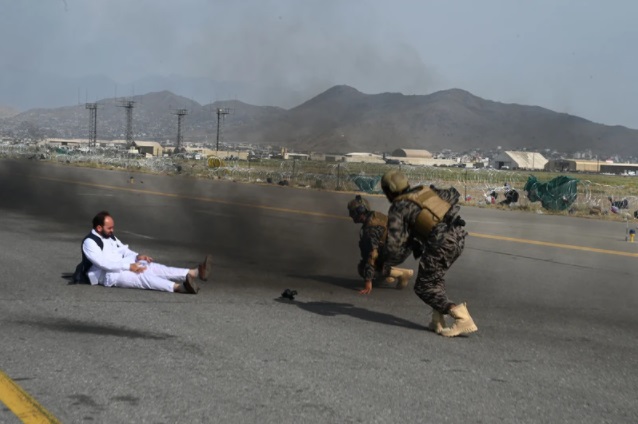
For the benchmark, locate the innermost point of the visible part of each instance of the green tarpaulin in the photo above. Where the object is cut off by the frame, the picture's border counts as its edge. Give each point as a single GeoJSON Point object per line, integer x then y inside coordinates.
{"type": "Point", "coordinates": [556, 195]}
{"type": "Point", "coordinates": [364, 183]}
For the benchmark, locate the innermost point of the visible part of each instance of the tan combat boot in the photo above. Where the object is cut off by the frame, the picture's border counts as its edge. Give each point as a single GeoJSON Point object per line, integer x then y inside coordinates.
{"type": "Point", "coordinates": [401, 276]}
{"type": "Point", "coordinates": [438, 322]}
{"type": "Point", "coordinates": [463, 322]}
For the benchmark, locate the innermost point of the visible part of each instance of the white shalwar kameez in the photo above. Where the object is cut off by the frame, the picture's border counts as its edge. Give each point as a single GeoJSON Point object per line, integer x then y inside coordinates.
{"type": "Point", "coordinates": [111, 267]}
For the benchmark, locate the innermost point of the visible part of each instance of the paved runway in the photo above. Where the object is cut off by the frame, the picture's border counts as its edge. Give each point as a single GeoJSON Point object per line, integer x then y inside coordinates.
{"type": "Point", "coordinates": [555, 299]}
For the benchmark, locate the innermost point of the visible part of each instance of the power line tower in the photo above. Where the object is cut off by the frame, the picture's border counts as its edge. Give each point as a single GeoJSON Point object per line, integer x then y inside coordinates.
{"type": "Point", "coordinates": [92, 107]}
{"type": "Point", "coordinates": [221, 113]}
{"type": "Point", "coordinates": [128, 105]}
{"type": "Point", "coordinates": [180, 115]}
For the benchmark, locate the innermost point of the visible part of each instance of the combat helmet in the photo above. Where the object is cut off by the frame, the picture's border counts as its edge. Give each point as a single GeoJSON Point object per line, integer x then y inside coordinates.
{"type": "Point", "coordinates": [358, 206]}
{"type": "Point", "coordinates": [394, 183]}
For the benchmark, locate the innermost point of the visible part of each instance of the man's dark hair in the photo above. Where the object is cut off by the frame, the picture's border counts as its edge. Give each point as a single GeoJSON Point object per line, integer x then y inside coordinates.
{"type": "Point", "coordinates": [99, 219]}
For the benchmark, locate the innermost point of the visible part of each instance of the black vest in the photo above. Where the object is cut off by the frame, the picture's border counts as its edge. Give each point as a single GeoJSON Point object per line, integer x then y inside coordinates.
{"type": "Point", "coordinates": [80, 275]}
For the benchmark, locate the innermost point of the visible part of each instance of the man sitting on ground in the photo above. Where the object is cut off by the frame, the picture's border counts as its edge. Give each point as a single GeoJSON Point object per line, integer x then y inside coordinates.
{"type": "Point", "coordinates": [111, 263]}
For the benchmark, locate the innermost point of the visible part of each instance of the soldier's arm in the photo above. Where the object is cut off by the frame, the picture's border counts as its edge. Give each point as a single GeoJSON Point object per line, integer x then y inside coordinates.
{"type": "Point", "coordinates": [397, 247]}
{"type": "Point", "coordinates": [373, 237]}
{"type": "Point", "coordinates": [376, 236]}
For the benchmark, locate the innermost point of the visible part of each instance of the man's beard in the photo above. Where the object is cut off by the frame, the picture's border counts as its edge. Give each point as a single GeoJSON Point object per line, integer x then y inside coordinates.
{"type": "Point", "coordinates": [104, 234]}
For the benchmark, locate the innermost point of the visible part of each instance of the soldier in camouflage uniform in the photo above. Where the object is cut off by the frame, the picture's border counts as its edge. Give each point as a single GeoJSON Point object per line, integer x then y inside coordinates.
{"type": "Point", "coordinates": [425, 221]}
{"type": "Point", "coordinates": [371, 240]}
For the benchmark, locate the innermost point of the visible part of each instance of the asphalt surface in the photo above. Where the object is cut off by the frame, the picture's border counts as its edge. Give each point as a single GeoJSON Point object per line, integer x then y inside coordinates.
{"type": "Point", "coordinates": [554, 297]}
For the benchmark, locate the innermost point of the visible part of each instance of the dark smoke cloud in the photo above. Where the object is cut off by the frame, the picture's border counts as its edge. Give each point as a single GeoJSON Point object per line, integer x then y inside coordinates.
{"type": "Point", "coordinates": [240, 237]}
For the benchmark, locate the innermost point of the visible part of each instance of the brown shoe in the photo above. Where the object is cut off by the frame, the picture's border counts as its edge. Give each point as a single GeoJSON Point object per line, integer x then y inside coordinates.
{"type": "Point", "coordinates": [190, 285]}
{"type": "Point", "coordinates": [205, 268]}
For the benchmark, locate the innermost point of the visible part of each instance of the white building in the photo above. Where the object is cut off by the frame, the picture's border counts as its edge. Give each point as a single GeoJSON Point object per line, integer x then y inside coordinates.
{"type": "Point", "coordinates": [363, 157]}
{"type": "Point", "coordinates": [519, 160]}
{"type": "Point", "coordinates": [152, 148]}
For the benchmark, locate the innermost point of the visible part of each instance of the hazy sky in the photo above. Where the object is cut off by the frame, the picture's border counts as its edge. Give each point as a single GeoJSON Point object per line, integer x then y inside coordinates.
{"type": "Point", "coordinates": [578, 56]}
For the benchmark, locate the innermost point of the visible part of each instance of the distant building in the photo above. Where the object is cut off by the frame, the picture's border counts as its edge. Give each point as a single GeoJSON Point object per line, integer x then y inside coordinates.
{"type": "Point", "coordinates": [152, 148]}
{"type": "Point", "coordinates": [226, 154]}
{"type": "Point", "coordinates": [297, 156]}
{"type": "Point", "coordinates": [77, 143]}
{"type": "Point", "coordinates": [618, 168]}
{"type": "Point", "coordinates": [576, 165]}
{"type": "Point", "coordinates": [120, 144]}
{"type": "Point", "coordinates": [572, 165]}
{"type": "Point", "coordinates": [417, 157]}
{"type": "Point", "coordinates": [67, 142]}
{"type": "Point", "coordinates": [519, 160]}
{"type": "Point", "coordinates": [412, 153]}
{"type": "Point", "coordinates": [363, 157]}
{"type": "Point", "coordinates": [333, 158]}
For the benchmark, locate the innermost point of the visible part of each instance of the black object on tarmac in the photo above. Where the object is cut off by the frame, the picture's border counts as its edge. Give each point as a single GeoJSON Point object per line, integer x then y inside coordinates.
{"type": "Point", "coordinates": [289, 294]}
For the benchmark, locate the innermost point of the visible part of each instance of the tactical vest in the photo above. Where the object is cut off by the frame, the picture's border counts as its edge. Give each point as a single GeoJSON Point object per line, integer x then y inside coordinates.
{"type": "Point", "coordinates": [374, 219]}
{"type": "Point", "coordinates": [433, 208]}
{"type": "Point", "coordinates": [377, 219]}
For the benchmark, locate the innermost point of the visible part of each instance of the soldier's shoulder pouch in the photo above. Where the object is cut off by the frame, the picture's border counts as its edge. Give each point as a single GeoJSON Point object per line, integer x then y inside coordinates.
{"type": "Point", "coordinates": [433, 209]}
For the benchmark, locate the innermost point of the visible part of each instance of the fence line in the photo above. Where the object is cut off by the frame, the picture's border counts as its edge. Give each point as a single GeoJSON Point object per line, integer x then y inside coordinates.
{"type": "Point", "coordinates": [473, 184]}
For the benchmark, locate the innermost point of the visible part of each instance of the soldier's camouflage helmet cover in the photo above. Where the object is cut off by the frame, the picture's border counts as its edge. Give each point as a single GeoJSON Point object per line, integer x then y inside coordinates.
{"type": "Point", "coordinates": [394, 182]}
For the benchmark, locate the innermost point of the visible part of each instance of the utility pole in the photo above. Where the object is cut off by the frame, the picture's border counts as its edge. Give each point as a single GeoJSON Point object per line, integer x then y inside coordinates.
{"type": "Point", "coordinates": [294, 172]}
{"type": "Point", "coordinates": [597, 164]}
{"type": "Point", "coordinates": [92, 107]}
{"type": "Point", "coordinates": [180, 115]}
{"type": "Point", "coordinates": [128, 105]}
{"type": "Point", "coordinates": [221, 112]}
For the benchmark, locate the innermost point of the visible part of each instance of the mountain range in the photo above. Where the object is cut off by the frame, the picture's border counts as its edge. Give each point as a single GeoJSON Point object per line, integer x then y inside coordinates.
{"type": "Point", "coordinates": [341, 120]}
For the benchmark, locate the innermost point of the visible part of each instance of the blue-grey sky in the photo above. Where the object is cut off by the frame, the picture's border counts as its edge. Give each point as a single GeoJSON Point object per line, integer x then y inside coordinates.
{"type": "Point", "coordinates": [573, 56]}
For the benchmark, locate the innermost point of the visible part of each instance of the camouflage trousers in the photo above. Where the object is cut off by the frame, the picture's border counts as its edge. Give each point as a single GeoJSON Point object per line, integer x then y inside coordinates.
{"type": "Point", "coordinates": [443, 246]}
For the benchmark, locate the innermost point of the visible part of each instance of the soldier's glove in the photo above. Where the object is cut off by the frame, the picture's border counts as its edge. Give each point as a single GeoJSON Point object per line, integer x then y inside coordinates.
{"type": "Point", "coordinates": [459, 222]}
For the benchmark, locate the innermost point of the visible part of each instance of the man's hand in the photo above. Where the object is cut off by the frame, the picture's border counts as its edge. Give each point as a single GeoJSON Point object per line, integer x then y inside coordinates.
{"type": "Point", "coordinates": [137, 268]}
{"type": "Point", "coordinates": [368, 288]}
{"type": "Point", "coordinates": [144, 258]}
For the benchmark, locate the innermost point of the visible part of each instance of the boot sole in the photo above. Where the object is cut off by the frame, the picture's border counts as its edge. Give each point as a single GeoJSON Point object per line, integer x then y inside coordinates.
{"type": "Point", "coordinates": [466, 330]}
{"type": "Point", "coordinates": [191, 286]}
{"type": "Point", "coordinates": [206, 268]}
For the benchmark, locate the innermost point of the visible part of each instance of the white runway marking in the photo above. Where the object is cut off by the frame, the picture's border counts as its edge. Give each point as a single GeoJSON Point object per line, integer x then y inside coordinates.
{"type": "Point", "coordinates": [136, 234]}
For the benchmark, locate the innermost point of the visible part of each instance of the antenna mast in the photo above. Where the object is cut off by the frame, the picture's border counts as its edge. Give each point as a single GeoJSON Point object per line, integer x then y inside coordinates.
{"type": "Point", "coordinates": [180, 115]}
{"type": "Point", "coordinates": [92, 107]}
{"type": "Point", "coordinates": [128, 105]}
{"type": "Point", "coordinates": [221, 112]}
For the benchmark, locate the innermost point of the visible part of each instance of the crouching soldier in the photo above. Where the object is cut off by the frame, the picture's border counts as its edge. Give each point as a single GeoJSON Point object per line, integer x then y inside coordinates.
{"type": "Point", "coordinates": [425, 221]}
{"type": "Point", "coordinates": [371, 240]}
